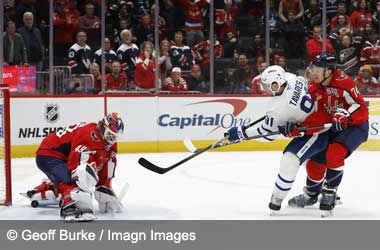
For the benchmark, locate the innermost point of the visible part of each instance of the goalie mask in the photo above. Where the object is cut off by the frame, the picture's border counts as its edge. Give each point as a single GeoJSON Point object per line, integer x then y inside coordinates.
{"type": "Point", "coordinates": [272, 79]}
{"type": "Point", "coordinates": [111, 127]}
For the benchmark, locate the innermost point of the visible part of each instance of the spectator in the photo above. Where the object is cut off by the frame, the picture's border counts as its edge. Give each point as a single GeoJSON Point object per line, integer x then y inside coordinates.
{"type": "Point", "coordinates": [314, 45]}
{"type": "Point", "coordinates": [196, 81]}
{"type": "Point", "coordinates": [347, 52]}
{"type": "Point", "coordinates": [370, 53]}
{"type": "Point", "coordinates": [341, 19]}
{"type": "Point", "coordinates": [145, 29]}
{"type": "Point", "coordinates": [331, 8]}
{"type": "Point", "coordinates": [361, 16]}
{"type": "Point", "coordinates": [294, 33]}
{"type": "Point", "coordinates": [256, 49]}
{"type": "Point", "coordinates": [313, 15]}
{"type": "Point", "coordinates": [65, 26]}
{"type": "Point", "coordinates": [293, 6]}
{"type": "Point", "coordinates": [164, 60]}
{"type": "Point", "coordinates": [90, 24]}
{"type": "Point", "coordinates": [109, 55]}
{"type": "Point", "coordinates": [145, 67]}
{"type": "Point", "coordinates": [193, 19]}
{"type": "Point", "coordinates": [124, 24]}
{"type": "Point", "coordinates": [116, 80]}
{"type": "Point", "coordinates": [128, 53]}
{"type": "Point", "coordinates": [375, 15]}
{"type": "Point", "coordinates": [256, 81]}
{"type": "Point", "coordinates": [202, 51]}
{"type": "Point", "coordinates": [180, 54]}
{"type": "Point", "coordinates": [9, 14]}
{"type": "Point", "coordinates": [162, 24]}
{"type": "Point", "coordinates": [230, 45]}
{"type": "Point", "coordinates": [15, 52]}
{"type": "Point", "coordinates": [242, 77]}
{"type": "Point", "coordinates": [95, 72]}
{"type": "Point", "coordinates": [33, 41]}
{"type": "Point", "coordinates": [22, 7]}
{"type": "Point", "coordinates": [225, 20]}
{"type": "Point", "coordinates": [282, 62]}
{"type": "Point", "coordinates": [366, 83]}
{"type": "Point", "coordinates": [175, 82]}
{"type": "Point", "coordinates": [80, 55]}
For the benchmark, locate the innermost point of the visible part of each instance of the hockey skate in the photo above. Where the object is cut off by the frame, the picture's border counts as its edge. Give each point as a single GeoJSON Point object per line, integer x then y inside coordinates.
{"type": "Point", "coordinates": [302, 200]}
{"type": "Point", "coordinates": [44, 194]}
{"type": "Point", "coordinates": [274, 205]}
{"type": "Point", "coordinates": [72, 213]}
{"type": "Point", "coordinates": [328, 201]}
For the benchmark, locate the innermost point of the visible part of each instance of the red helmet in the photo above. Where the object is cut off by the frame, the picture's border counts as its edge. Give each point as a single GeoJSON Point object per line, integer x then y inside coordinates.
{"type": "Point", "coordinates": [113, 127]}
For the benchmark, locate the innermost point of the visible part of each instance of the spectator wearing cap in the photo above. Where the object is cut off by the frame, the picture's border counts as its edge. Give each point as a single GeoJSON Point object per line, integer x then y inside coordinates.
{"type": "Point", "coordinates": [116, 80]}
{"type": "Point", "coordinates": [196, 81]}
{"type": "Point", "coordinates": [15, 52]}
{"type": "Point", "coordinates": [33, 41]}
{"type": "Point", "coordinates": [91, 24]}
{"type": "Point", "coordinates": [145, 67]}
{"type": "Point", "coordinates": [175, 82]}
{"type": "Point", "coordinates": [366, 83]}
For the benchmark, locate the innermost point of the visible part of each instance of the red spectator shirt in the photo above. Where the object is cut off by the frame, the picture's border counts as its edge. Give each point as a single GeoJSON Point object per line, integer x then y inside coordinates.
{"type": "Point", "coordinates": [172, 85]}
{"type": "Point", "coordinates": [65, 26]}
{"type": "Point", "coordinates": [314, 48]}
{"type": "Point", "coordinates": [359, 19]}
{"type": "Point", "coordinates": [193, 14]}
{"type": "Point", "coordinates": [340, 93]}
{"type": "Point", "coordinates": [370, 55]}
{"type": "Point", "coordinates": [82, 144]}
{"type": "Point", "coordinates": [144, 74]}
{"type": "Point", "coordinates": [367, 86]}
{"type": "Point", "coordinates": [119, 83]}
{"type": "Point", "coordinates": [202, 51]}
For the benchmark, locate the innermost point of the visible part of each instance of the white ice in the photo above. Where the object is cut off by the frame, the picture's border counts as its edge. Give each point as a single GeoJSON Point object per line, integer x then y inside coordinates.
{"type": "Point", "coordinates": [213, 186]}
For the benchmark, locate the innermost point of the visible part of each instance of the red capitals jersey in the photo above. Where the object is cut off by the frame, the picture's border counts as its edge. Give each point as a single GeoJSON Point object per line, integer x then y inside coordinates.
{"type": "Point", "coordinates": [340, 93]}
{"type": "Point", "coordinates": [82, 144]}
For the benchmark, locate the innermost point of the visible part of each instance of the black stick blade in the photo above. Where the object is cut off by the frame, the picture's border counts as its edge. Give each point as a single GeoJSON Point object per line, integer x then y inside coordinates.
{"type": "Point", "coordinates": [152, 167]}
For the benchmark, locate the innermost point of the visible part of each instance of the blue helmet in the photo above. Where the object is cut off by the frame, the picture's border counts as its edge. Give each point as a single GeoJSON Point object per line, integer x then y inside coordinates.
{"type": "Point", "coordinates": [325, 60]}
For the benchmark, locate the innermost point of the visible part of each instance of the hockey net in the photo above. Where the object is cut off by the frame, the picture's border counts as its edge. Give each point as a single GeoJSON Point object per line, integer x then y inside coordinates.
{"type": "Point", "coordinates": [5, 159]}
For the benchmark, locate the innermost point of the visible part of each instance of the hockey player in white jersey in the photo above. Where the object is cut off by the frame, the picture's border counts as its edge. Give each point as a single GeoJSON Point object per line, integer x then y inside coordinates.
{"type": "Point", "coordinates": [290, 106]}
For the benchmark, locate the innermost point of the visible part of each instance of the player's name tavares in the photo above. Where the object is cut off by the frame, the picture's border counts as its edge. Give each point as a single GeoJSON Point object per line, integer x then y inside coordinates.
{"type": "Point", "coordinates": [196, 120]}
{"type": "Point", "coordinates": [37, 132]}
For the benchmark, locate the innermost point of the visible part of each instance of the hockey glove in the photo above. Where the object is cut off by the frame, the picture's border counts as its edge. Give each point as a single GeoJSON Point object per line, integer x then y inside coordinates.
{"type": "Point", "coordinates": [340, 120]}
{"type": "Point", "coordinates": [107, 200]}
{"type": "Point", "coordinates": [290, 130]}
{"type": "Point", "coordinates": [236, 134]}
{"type": "Point", "coordinates": [86, 177]}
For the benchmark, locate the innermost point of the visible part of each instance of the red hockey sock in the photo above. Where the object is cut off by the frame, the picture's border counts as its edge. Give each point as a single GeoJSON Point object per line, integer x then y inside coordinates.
{"type": "Point", "coordinates": [315, 171]}
{"type": "Point", "coordinates": [335, 155]}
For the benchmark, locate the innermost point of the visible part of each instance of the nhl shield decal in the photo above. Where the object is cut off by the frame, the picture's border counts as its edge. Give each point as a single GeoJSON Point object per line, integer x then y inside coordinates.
{"type": "Point", "coordinates": [51, 112]}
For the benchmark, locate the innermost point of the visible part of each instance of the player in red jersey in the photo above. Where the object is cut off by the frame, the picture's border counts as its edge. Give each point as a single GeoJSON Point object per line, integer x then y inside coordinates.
{"type": "Point", "coordinates": [337, 93]}
{"type": "Point", "coordinates": [79, 161]}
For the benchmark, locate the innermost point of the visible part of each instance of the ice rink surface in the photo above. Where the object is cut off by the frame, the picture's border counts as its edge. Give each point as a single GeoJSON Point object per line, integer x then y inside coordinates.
{"type": "Point", "coordinates": [212, 186]}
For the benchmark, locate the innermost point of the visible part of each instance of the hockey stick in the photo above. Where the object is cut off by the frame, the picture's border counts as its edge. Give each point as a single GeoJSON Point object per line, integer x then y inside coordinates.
{"type": "Point", "coordinates": [220, 143]}
{"type": "Point", "coordinates": [191, 148]}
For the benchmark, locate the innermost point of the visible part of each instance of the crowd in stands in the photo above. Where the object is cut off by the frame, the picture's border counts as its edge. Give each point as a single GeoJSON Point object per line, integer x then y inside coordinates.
{"type": "Point", "coordinates": [183, 56]}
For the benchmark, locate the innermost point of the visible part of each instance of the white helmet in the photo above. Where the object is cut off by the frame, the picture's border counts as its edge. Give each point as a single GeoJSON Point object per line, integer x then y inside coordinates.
{"type": "Point", "coordinates": [273, 74]}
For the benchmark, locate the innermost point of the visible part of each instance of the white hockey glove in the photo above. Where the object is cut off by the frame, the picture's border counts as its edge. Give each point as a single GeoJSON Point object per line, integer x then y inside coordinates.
{"type": "Point", "coordinates": [108, 202]}
{"type": "Point", "coordinates": [85, 177]}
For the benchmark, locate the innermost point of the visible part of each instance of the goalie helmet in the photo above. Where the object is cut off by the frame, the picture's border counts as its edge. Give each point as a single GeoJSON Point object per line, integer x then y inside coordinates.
{"type": "Point", "coordinates": [273, 75]}
{"type": "Point", "coordinates": [111, 127]}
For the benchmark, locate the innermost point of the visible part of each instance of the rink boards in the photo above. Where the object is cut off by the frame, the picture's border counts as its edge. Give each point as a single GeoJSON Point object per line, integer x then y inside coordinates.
{"type": "Point", "coordinates": [152, 123]}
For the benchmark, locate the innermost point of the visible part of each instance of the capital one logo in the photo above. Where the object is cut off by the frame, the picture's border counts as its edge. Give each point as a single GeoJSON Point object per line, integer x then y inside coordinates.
{"type": "Point", "coordinates": [216, 121]}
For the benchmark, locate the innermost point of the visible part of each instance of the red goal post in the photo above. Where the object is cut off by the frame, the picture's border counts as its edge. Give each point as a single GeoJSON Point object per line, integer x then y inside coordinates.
{"type": "Point", "coordinates": [5, 149]}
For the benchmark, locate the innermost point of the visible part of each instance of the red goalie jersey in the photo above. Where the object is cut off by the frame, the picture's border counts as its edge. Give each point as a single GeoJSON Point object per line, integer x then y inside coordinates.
{"type": "Point", "coordinates": [82, 144]}
{"type": "Point", "coordinates": [340, 93]}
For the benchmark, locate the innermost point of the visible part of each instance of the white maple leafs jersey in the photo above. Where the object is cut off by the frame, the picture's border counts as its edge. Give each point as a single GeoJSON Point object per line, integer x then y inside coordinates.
{"type": "Point", "coordinates": [293, 105]}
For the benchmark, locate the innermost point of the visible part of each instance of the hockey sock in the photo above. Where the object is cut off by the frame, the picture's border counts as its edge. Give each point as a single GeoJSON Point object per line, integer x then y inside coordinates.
{"type": "Point", "coordinates": [315, 176]}
{"type": "Point", "coordinates": [333, 177]}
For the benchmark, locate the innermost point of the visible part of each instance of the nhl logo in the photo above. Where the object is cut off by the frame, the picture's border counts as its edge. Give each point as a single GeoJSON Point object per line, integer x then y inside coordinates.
{"type": "Point", "coordinates": [51, 112]}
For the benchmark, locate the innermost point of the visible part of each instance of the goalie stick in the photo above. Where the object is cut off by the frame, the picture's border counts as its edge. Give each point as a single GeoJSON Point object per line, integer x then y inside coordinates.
{"type": "Point", "coordinates": [220, 143]}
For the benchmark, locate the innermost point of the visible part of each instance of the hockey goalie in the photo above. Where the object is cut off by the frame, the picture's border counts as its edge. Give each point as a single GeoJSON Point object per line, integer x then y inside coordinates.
{"type": "Point", "coordinates": [80, 161]}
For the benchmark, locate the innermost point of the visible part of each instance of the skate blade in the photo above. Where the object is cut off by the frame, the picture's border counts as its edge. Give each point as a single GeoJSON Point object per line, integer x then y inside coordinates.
{"type": "Point", "coordinates": [274, 213]}
{"type": "Point", "coordinates": [86, 217]}
{"type": "Point", "coordinates": [326, 214]}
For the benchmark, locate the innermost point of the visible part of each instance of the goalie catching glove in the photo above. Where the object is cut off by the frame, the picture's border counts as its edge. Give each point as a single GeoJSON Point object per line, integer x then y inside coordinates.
{"type": "Point", "coordinates": [108, 202]}
{"type": "Point", "coordinates": [290, 130]}
{"type": "Point", "coordinates": [236, 134]}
